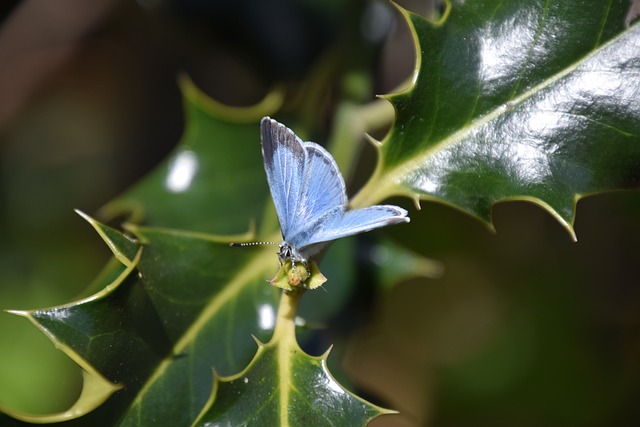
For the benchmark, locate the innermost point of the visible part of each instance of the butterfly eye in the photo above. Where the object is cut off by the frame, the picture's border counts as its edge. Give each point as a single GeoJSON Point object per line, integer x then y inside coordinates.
{"type": "Point", "coordinates": [286, 251]}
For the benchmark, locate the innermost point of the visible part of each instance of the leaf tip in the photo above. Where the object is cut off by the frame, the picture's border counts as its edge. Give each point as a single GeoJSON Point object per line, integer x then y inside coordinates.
{"type": "Point", "coordinates": [385, 411]}
{"type": "Point", "coordinates": [260, 343]}
{"type": "Point", "coordinates": [84, 216]}
{"type": "Point", "coordinates": [21, 313]}
{"type": "Point", "coordinates": [324, 356]}
{"type": "Point", "coordinates": [566, 221]}
{"type": "Point", "coordinates": [416, 201]}
{"type": "Point", "coordinates": [373, 141]}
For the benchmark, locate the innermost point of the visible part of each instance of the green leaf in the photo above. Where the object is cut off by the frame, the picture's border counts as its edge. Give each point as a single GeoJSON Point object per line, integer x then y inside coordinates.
{"type": "Point", "coordinates": [88, 330]}
{"type": "Point", "coordinates": [192, 188]}
{"type": "Point", "coordinates": [530, 100]}
{"type": "Point", "coordinates": [180, 306]}
{"type": "Point", "coordinates": [396, 264]}
{"type": "Point", "coordinates": [210, 299]}
{"type": "Point", "coordinates": [283, 386]}
{"type": "Point", "coordinates": [175, 302]}
{"type": "Point", "coordinates": [186, 302]}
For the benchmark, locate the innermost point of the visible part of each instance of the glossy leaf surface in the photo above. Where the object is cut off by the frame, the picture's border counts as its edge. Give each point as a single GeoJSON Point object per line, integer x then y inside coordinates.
{"type": "Point", "coordinates": [283, 386]}
{"type": "Point", "coordinates": [176, 302]}
{"type": "Point", "coordinates": [210, 305]}
{"type": "Point", "coordinates": [212, 182]}
{"type": "Point", "coordinates": [189, 302]}
{"type": "Point", "coordinates": [187, 306]}
{"type": "Point", "coordinates": [530, 100]}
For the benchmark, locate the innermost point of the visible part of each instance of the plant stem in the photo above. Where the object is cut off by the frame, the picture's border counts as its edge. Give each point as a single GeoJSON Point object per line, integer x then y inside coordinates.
{"type": "Point", "coordinates": [284, 339]}
{"type": "Point", "coordinates": [285, 328]}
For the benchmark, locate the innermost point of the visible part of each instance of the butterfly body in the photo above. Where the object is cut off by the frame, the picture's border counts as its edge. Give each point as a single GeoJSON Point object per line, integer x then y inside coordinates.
{"type": "Point", "coordinates": [310, 196]}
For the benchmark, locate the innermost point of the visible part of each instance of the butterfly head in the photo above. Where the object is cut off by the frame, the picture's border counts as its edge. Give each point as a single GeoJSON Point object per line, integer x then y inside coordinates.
{"type": "Point", "coordinates": [292, 262]}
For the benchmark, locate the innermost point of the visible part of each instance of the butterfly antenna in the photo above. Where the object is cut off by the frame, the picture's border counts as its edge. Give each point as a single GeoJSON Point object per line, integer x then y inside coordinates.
{"type": "Point", "coordinates": [252, 244]}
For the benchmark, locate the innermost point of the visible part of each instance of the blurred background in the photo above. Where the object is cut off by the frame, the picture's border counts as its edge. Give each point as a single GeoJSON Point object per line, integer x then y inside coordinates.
{"type": "Point", "coordinates": [525, 328]}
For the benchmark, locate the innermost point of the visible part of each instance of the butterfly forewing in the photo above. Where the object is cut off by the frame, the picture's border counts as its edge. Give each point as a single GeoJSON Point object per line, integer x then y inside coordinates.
{"type": "Point", "coordinates": [284, 161]}
{"type": "Point", "coordinates": [304, 179]}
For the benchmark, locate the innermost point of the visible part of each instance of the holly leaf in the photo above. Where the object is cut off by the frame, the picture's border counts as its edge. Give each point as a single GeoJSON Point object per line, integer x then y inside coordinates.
{"type": "Point", "coordinates": [191, 189]}
{"type": "Point", "coordinates": [173, 302]}
{"type": "Point", "coordinates": [152, 343]}
{"type": "Point", "coordinates": [180, 305]}
{"type": "Point", "coordinates": [525, 100]}
{"type": "Point", "coordinates": [284, 386]}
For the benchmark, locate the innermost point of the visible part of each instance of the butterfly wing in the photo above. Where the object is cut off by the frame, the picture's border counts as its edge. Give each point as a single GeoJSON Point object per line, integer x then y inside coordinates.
{"type": "Point", "coordinates": [338, 223]}
{"type": "Point", "coordinates": [284, 161]}
{"type": "Point", "coordinates": [323, 189]}
{"type": "Point", "coordinates": [309, 192]}
{"type": "Point", "coordinates": [304, 179]}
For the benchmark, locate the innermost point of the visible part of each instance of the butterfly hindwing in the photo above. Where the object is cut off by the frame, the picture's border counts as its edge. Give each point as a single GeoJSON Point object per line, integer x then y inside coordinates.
{"type": "Point", "coordinates": [341, 223]}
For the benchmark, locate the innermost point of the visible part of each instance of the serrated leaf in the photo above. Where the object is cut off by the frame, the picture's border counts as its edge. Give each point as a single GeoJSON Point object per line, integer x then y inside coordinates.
{"type": "Point", "coordinates": [189, 301]}
{"type": "Point", "coordinates": [81, 334]}
{"type": "Point", "coordinates": [283, 386]}
{"type": "Point", "coordinates": [176, 302]}
{"type": "Point", "coordinates": [213, 180]}
{"type": "Point", "coordinates": [193, 302]}
{"type": "Point", "coordinates": [210, 304]}
{"type": "Point", "coordinates": [531, 100]}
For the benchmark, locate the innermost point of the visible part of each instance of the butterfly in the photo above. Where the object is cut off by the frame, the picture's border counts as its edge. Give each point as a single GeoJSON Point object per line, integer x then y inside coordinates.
{"type": "Point", "coordinates": [310, 197]}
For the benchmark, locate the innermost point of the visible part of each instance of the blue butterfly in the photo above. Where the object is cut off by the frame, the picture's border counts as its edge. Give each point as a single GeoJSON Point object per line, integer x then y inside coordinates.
{"type": "Point", "coordinates": [310, 196]}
